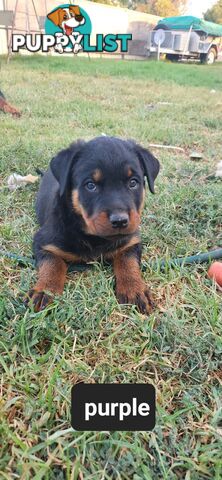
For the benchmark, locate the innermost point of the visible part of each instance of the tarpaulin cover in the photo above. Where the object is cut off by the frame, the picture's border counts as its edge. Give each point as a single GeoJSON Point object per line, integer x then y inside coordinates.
{"type": "Point", "coordinates": [197, 24]}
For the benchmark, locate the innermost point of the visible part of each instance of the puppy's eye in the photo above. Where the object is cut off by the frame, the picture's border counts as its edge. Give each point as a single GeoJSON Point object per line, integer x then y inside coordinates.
{"type": "Point", "coordinates": [91, 186]}
{"type": "Point", "coordinates": [133, 183]}
{"type": "Point", "coordinates": [72, 14]}
{"type": "Point", "coordinates": [65, 17]}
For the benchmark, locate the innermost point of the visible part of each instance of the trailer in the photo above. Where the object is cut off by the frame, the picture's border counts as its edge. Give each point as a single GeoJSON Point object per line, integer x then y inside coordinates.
{"type": "Point", "coordinates": [186, 37]}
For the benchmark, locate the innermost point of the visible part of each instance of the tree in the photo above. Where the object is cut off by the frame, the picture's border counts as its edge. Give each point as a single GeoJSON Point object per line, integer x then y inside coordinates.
{"type": "Point", "coordinates": [114, 3]}
{"type": "Point", "coordinates": [166, 8]}
{"type": "Point", "coordinates": [214, 14]}
{"type": "Point", "coordinates": [162, 8]}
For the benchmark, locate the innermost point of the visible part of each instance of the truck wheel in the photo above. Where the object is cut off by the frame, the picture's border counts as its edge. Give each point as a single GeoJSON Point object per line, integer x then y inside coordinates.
{"type": "Point", "coordinates": [209, 57]}
{"type": "Point", "coordinates": [162, 27]}
{"type": "Point", "coordinates": [172, 58]}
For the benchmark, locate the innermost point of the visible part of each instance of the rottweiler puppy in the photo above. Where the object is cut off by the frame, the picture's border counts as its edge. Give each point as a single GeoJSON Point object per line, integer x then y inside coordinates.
{"type": "Point", "coordinates": [89, 205]}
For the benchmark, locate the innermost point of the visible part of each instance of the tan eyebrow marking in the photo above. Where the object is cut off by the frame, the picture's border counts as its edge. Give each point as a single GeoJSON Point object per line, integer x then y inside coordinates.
{"type": "Point", "coordinates": [97, 175]}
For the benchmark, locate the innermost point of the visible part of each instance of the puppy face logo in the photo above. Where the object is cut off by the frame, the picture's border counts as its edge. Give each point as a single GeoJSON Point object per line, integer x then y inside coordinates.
{"type": "Point", "coordinates": [68, 23]}
{"type": "Point", "coordinates": [67, 18]}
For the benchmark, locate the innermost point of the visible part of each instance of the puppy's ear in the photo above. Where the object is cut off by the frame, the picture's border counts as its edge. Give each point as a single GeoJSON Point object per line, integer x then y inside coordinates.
{"type": "Point", "coordinates": [54, 16]}
{"type": "Point", "coordinates": [149, 163]}
{"type": "Point", "coordinates": [61, 165]}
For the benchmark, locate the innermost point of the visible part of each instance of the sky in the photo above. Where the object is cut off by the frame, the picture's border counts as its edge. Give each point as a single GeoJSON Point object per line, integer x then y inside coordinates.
{"type": "Point", "coordinates": [198, 7]}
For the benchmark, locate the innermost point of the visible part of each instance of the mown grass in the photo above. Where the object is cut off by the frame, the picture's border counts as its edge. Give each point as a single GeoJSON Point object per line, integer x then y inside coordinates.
{"type": "Point", "coordinates": [86, 335]}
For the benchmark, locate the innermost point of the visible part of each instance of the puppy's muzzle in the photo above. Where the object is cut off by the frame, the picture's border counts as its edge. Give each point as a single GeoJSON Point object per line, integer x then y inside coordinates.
{"type": "Point", "coordinates": [119, 220]}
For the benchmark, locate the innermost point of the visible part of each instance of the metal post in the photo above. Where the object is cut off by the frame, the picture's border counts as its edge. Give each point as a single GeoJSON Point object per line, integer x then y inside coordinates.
{"type": "Point", "coordinates": [158, 51]}
{"type": "Point", "coordinates": [37, 17]}
{"type": "Point", "coordinates": [13, 26]}
{"type": "Point", "coordinates": [46, 8]}
{"type": "Point", "coordinates": [27, 17]}
{"type": "Point", "coordinates": [27, 26]}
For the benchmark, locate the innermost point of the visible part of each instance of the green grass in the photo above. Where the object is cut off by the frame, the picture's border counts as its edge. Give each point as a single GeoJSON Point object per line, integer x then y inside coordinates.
{"type": "Point", "coordinates": [86, 335]}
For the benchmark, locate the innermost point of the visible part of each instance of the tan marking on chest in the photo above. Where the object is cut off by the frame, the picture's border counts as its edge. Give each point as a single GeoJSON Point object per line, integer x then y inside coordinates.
{"type": "Point", "coordinates": [67, 256]}
{"type": "Point", "coordinates": [133, 241]}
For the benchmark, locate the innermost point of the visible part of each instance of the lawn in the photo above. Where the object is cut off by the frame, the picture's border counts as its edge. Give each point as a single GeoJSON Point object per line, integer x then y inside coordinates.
{"type": "Point", "coordinates": [85, 335]}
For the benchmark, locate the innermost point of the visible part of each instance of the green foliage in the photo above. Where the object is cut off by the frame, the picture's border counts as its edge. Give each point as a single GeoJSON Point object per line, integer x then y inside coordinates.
{"type": "Point", "coordinates": [166, 8]}
{"type": "Point", "coordinates": [162, 8]}
{"type": "Point", "coordinates": [214, 14]}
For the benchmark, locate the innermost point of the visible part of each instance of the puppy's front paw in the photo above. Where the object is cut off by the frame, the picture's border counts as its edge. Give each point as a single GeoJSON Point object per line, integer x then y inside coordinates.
{"type": "Point", "coordinates": [140, 297]}
{"type": "Point", "coordinates": [38, 299]}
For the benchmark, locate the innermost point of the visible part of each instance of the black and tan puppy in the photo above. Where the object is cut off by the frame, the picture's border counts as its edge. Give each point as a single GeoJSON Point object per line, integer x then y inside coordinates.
{"type": "Point", "coordinates": [89, 204]}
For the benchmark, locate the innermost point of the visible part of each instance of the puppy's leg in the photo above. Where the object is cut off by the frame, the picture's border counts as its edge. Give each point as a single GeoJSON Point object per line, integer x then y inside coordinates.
{"type": "Point", "coordinates": [130, 287]}
{"type": "Point", "coordinates": [6, 108]}
{"type": "Point", "coordinates": [51, 278]}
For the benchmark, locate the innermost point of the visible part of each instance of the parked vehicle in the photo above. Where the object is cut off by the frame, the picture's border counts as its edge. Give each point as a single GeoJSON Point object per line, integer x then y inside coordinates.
{"type": "Point", "coordinates": [186, 37]}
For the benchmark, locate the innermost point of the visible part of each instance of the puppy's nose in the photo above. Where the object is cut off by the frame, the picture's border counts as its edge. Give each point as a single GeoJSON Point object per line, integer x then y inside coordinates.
{"type": "Point", "coordinates": [119, 220]}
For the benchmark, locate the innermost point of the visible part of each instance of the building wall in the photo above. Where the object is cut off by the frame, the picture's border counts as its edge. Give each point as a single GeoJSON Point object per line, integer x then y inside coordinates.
{"type": "Point", "coordinates": [105, 19]}
{"type": "Point", "coordinates": [3, 36]}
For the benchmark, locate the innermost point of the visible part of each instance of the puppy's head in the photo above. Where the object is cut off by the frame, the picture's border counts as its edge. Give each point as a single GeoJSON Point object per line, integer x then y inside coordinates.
{"type": "Point", "coordinates": [67, 18]}
{"type": "Point", "coordinates": [105, 180]}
